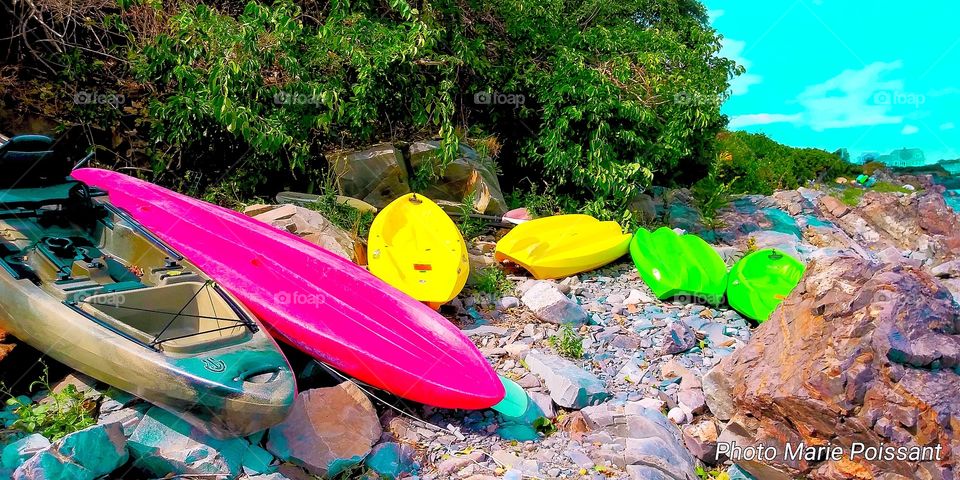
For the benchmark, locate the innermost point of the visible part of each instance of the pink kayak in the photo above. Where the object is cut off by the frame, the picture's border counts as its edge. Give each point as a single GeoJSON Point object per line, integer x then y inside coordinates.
{"type": "Point", "coordinates": [314, 300]}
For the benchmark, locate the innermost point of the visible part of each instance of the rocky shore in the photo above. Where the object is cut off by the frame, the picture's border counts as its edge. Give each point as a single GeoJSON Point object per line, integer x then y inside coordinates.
{"type": "Point", "coordinates": [866, 351]}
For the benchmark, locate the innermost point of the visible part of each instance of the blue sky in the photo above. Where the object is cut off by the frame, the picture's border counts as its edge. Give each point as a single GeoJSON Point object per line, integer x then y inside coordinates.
{"type": "Point", "coordinates": [868, 76]}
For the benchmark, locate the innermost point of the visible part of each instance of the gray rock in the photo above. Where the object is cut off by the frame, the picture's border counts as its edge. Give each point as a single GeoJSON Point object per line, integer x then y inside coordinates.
{"type": "Point", "coordinates": [544, 402]}
{"type": "Point", "coordinates": [548, 304]}
{"type": "Point", "coordinates": [570, 386]}
{"type": "Point", "coordinates": [644, 441]}
{"type": "Point", "coordinates": [947, 270]}
{"type": "Point", "coordinates": [84, 455]}
{"type": "Point", "coordinates": [506, 303]}
{"type": "Point", "coordinates": [716, 388]}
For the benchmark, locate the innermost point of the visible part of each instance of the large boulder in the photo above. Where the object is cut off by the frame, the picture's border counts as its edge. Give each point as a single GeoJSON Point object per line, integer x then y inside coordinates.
{"type": "Point", "coordinates": [164, 443]}
{"type": "Point", "coordinates": [645, 443]}
{"type": "Point", "coordinates": [84, 455]}
{"type": "Point", "coordinates": [376, 175]}
{"type": "Point", "coordinates": [469, 174]}
{"type": "Point", "coordinates": [328, 431]}
{"type": "Point", "coordinates": [307, 224]}
{"type": "Point", "coordinates": [859, 355]}
{"type": "Point", "coordinates": [570, 386]}
{"type": "Point", "coordinates": [549, 304]}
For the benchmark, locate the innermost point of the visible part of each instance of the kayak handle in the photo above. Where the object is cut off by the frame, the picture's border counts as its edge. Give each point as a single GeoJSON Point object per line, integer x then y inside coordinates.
{"type": "Point", "coordinates": [775, 255]}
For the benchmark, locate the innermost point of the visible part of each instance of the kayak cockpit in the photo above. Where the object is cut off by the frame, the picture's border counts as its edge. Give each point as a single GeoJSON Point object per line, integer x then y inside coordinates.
{"type": "Point", "coordinates": [96, 260]}
{"type": "Point", "coordinates": [182, 317]}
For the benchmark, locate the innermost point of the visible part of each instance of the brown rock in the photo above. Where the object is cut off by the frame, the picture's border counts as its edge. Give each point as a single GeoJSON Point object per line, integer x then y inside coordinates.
{"type": "Point", "coordinates": [5, 347]}
{"type": "Point", "coordinates": [701, 439]}
{"type": "Point", "coordinates": [309, 225]}
{"type": "Point", "coordinates": [833, 206]}
{"type": "Point", "coordinates": [858, 353]}
{"type": "Point", "coordinates": [328, 430]}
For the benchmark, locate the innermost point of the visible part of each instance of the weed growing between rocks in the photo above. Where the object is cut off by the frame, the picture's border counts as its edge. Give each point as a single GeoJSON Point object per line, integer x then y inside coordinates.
{"type": "Point", "coordinates": [59, 414]}
{"type": "Point", "coordinates": [567, 342]}
{"type": "Point", "coordinates": [469, 226]}
{"type": "Point", "coordinates": [341, 214]}
{"type": "Point", "coordinates": [494, 281]}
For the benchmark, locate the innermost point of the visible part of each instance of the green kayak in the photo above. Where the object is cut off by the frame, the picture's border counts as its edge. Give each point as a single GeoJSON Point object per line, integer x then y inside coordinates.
{"type": "Point", "coordinates": [675, 265]}
{"type": "Point", "coordinates": [761, 280]}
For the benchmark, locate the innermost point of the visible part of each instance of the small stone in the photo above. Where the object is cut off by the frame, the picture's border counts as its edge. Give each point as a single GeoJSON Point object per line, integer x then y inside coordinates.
{"type": "Point", "coordinates": [679, 338]}
{"type": "Point", "coordinates": [677, 416]}
{"type": "Point", "coordinates": [547, 303]}
{"type": "Point", "coordinates": [507, 303]}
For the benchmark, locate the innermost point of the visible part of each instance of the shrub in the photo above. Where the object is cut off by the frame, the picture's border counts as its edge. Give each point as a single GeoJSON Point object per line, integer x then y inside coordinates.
{"type": "Point", "coordinates": [60, 414]}
{"type": "Point", "coordinates": [494, 281]}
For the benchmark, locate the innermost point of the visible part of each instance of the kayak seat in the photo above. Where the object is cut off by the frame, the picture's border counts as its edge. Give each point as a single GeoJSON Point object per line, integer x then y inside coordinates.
{"type": "Point", "coordinates": [31, 160]}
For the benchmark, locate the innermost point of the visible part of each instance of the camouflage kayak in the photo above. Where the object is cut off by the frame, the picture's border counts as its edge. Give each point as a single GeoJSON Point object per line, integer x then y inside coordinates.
{"type": "Point", "coordinates": [89, 287]}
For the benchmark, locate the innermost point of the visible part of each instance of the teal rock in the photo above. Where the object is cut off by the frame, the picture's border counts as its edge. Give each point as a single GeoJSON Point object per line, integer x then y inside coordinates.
{"type": "Point", "coordinates": [391, 460]}
{"type": "Point", "coordinates": [737, 473]}
{"type": "Point", "coordinates": [20, 451]}
{"type": "Point", "coordinates": [164, 443]}
{"type": "Point", "coordinates": [257, 459]}
{"type": "Point", "coordinates": [85, 455]}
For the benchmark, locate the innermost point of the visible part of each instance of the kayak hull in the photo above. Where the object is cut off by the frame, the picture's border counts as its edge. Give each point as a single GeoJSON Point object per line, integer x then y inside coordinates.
{"type": "Point", "coordinates": [228, 382]}
{"type": "Point", "coordinates": [317, 302]}
{"type": "Point", "coordinates": [759, 282]}
{"type": "Point", "coordinates": [414, 246]}
{"type": "Point", "coordinates": [675, 265]}
{"type": "Point", "coordinates": [562, 245]}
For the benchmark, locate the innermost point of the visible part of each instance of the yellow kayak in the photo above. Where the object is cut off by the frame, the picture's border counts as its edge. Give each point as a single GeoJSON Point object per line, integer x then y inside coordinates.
{"type": "Point", "coordinates": [415, 247]}
{"type": "Point", "coordinates": [563, 245]}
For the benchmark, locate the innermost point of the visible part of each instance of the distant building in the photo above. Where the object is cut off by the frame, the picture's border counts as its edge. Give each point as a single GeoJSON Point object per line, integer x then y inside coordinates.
{"type": "Point", "coordinates": [905, 157]}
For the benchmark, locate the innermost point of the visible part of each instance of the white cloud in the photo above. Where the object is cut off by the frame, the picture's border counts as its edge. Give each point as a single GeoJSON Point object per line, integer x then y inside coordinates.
{"type": "Point", "coordinates": [713, 15]}
{"type": "Point", "coordinates": [909, 130]}
{"type": "Point", "coordinates": [947, 126]}
{"type": "Point", "coordinates": [854, 98]}
{"type": "Point", "coordinates": [733, 49]}
{"type": "Point", "coordinates": [741, 121]}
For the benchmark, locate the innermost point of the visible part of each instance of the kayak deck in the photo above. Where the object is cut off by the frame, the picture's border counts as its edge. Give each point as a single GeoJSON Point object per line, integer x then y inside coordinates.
{"type": "Point", "coordinates": [562, 245]}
